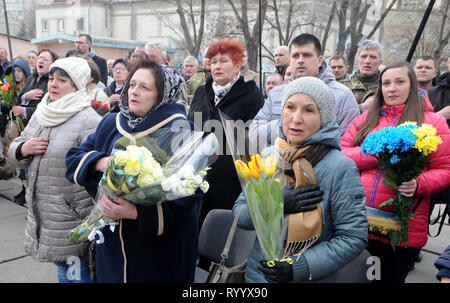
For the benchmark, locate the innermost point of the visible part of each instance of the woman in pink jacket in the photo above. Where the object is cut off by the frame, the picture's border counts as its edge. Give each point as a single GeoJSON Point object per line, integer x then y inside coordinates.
{"type": "Point", "coordinates": [396, 101]}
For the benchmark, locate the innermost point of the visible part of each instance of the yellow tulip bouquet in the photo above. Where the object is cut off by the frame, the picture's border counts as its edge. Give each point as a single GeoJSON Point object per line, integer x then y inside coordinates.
{"type": "Point", "coordinates": [153, 169]}
{"type": "Point", "coordinates": [262, 179]}
{"type": "Point", "coordinates": [261, 182]}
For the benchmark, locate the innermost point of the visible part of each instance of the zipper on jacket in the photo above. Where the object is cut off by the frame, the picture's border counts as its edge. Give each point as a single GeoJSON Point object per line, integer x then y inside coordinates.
{"type": "Point", "coordinates": [374, 188]}
{"type": "Point", "coordinates": [394, 116]}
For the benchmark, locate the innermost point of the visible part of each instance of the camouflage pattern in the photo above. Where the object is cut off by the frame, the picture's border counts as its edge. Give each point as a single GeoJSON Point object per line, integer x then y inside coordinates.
{"type": "Point", "coordinates": [191, 85]}
{"type": "Point", "coordinates": [361, 89]}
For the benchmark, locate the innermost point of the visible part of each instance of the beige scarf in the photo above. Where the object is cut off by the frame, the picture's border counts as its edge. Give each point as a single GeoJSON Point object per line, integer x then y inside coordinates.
{"type": "Point", "coordinates": [304, 228]}
{"type": "Point", "coordinates": [52, 113]}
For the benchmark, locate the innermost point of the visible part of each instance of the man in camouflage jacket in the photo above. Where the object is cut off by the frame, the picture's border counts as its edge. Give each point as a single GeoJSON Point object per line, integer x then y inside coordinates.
{"type": "Point", "coordinates": [364, 81]}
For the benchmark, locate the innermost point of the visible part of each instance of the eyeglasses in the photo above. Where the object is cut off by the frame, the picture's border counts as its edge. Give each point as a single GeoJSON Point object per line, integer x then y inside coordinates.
{"type": "Point", "coordinates": [119, 69]}
{"type": "Point", "coordinates": [44, 59]}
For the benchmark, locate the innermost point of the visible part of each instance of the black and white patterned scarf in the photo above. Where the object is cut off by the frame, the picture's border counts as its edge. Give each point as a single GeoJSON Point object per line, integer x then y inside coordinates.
{"type": "Point", "coordinates": [221, 91]}
{"type": "Point", "coordinates": [173, 89]}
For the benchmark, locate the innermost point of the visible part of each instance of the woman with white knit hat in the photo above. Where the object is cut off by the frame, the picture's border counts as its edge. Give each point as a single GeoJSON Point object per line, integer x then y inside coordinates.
{"type": "Point", "coordinates": [63, 119]}
{"type": "Point", "coordinates": [324, 210]}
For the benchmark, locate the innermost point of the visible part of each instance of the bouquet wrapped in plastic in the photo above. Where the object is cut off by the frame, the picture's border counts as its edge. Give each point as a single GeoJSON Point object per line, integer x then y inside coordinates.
{"type": "Point", "coordinates": [101, 108]}
{"type": "Point", "coordinates": [262, 180]}
{"type": "Point", "coordinates": [159, 167]}
{"type": "Point", "coordinates": [402, 154]}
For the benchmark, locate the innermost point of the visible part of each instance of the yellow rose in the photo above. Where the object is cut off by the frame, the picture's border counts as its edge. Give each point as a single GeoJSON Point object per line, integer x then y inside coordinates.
{"type": "Point", "coordinates": [147, 165]}
{"type": "Point", "coordinates": [120, 158]}
{"type": "Point", "coordinates": [145, 179]}
{"type": "Point", "coordinates": [132, 166]}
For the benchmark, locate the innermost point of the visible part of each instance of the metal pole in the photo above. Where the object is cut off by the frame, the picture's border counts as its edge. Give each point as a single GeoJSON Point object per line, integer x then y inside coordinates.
{"type": "Point", "coordinates": [7, 32]}
{"type": "Point", "coordinates": [260, 48]}
{"type": "Point", "coordinates": [420, 30]}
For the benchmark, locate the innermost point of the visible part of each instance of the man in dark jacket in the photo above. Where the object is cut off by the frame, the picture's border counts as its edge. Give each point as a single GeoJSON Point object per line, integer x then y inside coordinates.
{"type": "Point", "coordinates": [5, 64]}
{"type": "Point", "coordinates": [83, 45]}
{"type": "Point", "coordinates": [364, 81]}
{"type": "Point", "coordinates": [440, 96]}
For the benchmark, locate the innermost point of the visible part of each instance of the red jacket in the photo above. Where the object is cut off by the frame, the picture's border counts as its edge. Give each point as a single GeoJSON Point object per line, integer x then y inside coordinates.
{"type": "Point", "coordinates": [435, 178]}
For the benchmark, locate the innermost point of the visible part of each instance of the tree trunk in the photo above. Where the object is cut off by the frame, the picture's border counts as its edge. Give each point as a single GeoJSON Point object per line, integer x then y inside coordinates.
{"type": "Point", "coordinates": [443, 40]}
{"type": "Point", "coordinates": [343, 31]}
{"type": "Point", "coordinates": [193, 44]}
{"type": "Point", "coordinates": [327, 29]}
{"type": "Point", "coordinates": [251, 37]}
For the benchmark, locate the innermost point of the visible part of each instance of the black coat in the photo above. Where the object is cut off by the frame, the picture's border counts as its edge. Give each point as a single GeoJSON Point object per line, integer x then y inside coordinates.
{"type": "Point", "coordinates": [111, 90]}
{"type": "Point", "coordinates": [168, 257]}
{"type": "Point", "coordinates": [440, 97]}
{"type": "Point", "coordinates": [101, 63]}
{"type": "Point", "coordinates": [242, 102]}
{"type": "Point", "coordinates": [440, 94]}
{"type": "Point", "coordinates": [33, 83]}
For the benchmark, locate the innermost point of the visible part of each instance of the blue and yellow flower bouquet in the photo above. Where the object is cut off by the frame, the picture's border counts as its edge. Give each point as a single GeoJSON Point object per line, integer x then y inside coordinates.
{"type": "Point", "coordinates": [402, 154]}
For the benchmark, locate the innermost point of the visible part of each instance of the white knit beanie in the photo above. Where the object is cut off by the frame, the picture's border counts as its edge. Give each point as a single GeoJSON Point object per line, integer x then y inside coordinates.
{"type": "Point", "coordinates": [77, 69]}
{"type": "Point", "coordinates": [316, 89]}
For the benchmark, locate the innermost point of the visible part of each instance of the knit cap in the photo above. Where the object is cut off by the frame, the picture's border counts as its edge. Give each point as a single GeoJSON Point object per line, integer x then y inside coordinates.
{"type": "Point", "coordinates": [77, 69]}
{"type": "Point", "coordinates": [317, 90]}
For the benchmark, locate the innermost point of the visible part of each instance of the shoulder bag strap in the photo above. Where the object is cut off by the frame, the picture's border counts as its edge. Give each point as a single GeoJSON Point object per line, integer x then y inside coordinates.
{"type": "Point", "coordinates": [226, 249]}
{"type": "Point", "coordinates": [441, 224]}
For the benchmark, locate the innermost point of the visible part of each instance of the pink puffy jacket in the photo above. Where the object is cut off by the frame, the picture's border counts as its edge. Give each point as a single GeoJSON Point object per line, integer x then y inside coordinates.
{"type": "Point", "coordinates": [435, 178]}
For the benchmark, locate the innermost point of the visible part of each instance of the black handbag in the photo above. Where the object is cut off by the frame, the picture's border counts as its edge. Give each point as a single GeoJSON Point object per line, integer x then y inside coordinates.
{"type": "Point", "coordinates": [218, 272]}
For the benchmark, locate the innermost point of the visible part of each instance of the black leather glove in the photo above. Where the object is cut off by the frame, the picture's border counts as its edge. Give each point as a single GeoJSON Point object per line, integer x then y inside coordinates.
{"type": "Point", "coordinates": [281, 272]}
{"type": "Point", "coordinates": [301, 199]}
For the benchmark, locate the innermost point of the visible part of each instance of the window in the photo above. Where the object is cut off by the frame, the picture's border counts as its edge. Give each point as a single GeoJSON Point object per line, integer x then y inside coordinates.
{"type": "Point", "coordinates": [60, 25]}
{"type": "Point", "coordinates": [45, 25]}
{"type": "Point", "coordinates": [80, 24]}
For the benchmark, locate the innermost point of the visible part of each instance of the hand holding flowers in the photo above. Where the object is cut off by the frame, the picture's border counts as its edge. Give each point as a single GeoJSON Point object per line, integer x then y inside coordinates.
{"type": "Point", "coordinates": [402, 154]}
{"type": "Point", "coordinates": [145, 175]}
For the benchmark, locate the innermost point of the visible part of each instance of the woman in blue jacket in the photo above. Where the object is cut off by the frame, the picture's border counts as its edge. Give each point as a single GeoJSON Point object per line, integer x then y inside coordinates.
{"type": "Point", "coordinates": [308, 121]}
{"type": "Point", "coordinates": [153, 243]}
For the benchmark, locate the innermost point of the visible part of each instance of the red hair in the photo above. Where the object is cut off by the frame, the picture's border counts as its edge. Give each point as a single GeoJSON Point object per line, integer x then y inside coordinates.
{"type": "Point", "coordinates": [230, 47]}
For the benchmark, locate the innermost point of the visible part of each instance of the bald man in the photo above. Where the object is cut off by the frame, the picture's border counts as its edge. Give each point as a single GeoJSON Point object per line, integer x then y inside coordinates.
{"type": "Point", "coordinates": [282, 59]}
{"type": "Point", "coordinates": [273, 80]}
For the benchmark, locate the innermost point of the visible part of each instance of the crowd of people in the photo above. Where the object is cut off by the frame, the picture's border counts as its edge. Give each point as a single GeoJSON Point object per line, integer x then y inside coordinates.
{"type": "Point", "coordinates": [313, 108]}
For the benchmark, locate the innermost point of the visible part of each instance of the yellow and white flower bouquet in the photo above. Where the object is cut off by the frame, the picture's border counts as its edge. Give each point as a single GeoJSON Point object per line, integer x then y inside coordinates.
{"type": "Point", "coordinates": [151, 170]}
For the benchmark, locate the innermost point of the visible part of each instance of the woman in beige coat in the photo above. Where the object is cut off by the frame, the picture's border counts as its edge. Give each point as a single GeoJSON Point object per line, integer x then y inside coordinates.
{"type": "Point", "coordinates": [63, 119]}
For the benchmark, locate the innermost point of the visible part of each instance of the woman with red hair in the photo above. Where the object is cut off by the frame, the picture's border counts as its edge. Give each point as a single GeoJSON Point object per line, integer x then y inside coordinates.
{"type": "Point", "coordinates": [225, 91]}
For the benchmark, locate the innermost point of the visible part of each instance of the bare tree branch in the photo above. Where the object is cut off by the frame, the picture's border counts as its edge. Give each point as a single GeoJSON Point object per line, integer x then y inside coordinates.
{"type": "Point", "coordinates": [375, 27]}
